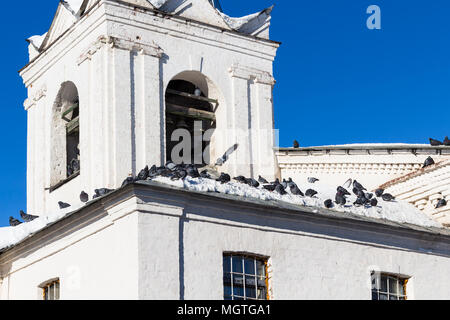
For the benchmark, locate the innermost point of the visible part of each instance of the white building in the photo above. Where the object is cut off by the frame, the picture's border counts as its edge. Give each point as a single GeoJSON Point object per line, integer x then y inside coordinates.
{"type": "Point", "coordinates": [107, 86]}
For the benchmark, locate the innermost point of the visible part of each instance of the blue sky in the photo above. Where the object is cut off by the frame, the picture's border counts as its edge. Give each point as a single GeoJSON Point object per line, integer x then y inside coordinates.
{"type": "Point", "coordinates": [337, 81]}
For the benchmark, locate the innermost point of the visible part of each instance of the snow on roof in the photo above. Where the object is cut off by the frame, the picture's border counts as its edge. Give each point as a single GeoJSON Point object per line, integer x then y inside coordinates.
{"type": "Point", "coordinates": [396, 211]}
{"type": "Point", "coordinates": [368, 146]}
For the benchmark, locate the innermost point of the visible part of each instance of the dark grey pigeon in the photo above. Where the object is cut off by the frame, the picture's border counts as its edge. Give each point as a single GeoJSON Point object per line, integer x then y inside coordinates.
{"type": "Point", "coordinates": [340, 199]}
{"type": "Point", "coordinates": [13, 222]}
{"type": "Point", "coordinates": [296, 144]}
{"type": "Point", "coordinates": [270, 187]}
{"type": "Point", "coordinates": [358, 185]}
{"type": "Point", "coordinates": [143, 175]}
{"type": "Point", "coordinates": [192, 172]}
{"type": "Point", "coordinates": [328, 204]}
{"type": "Point", "coordinates": [63, 205]}
{"type": "Point", "coordinates": [204, 174]}
{"type": "Point", "coordinates": [343, 191]}
{"type": "Point", "coordinates": [224, 178]}
{"type": "Point", "coordinates": [27, 217]}
{"type": "Point", "coordinates": [360, 201]}
{"type": "Point", "coordinates": [312, 180]}
{"type": "Point", "coordinates": [379, 192]}
{"type": "Point", "coordinates": [368, 195]}
{"type": "Point", "coordinates": [128, 181]}
{"type": "Point", "coordinates": [84, 197]}
{"type": "Point", "coordinates": [387, 197]}
{"type": "Point", "coordinates": [252, 183]}
{"type": "Point", "coordinates": [280, 189]}
{"type": "Point", "coordinates": [240, 179]}
{"type": "Point", "coordinates": [290, 183]}
{"type": "Point", "coordinates": [356, 191]}
{"type": "Point", "coordinates": [310, 193]}
{"type": "Point", "coordinates": [262, 180]}
{"type": "Point", "coordinates": [102, 192]}
{"type": "Point", "coordinates": [446, 141]}
{"type": "Point", "coordinates": [296, 191]}
{"type": "Point", "coordinates": [435, 142]}
{"type": "Point", "coordinates": [442, 203]}
{"type": "Point", "coordinates": [428, 162]}
{"type": "Point", "coordinates": [284, 184]}
{"type": "Point", "coordinates": [374, 202]}
{"type": "Point", "coordinates": [221, 161]}
{"type": "Point", "coordinates": [276, 182]}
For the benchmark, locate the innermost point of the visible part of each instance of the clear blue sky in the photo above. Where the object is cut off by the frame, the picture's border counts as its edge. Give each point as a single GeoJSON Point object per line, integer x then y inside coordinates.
{"type": "Point", "coordinates": [337, 81]}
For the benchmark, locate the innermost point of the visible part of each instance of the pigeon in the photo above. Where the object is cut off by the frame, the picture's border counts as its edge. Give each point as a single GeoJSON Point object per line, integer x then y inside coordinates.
{"type": "Point", "coordinates": [127, 181]}
{"type": "Point", "coordinates": [358, 186]}
{"type": "Point", "coordinates": [262, 180]}
{"type": "Point", "coordinates": [192, 172]}
{"type": "Point", "coordinates": [312, 180]}
{"type": "Point", "coordinates": [284, 184]}
{"type": "Point", "coordinates": [442, 203]}
{"type": "Point", "coordinates": [63, 205]}
{"type": "Point", "coordinates": [340, 199]}
{"type": "Point", "coordinates": [446, 141]}
{"type": "Point", "coordinates": [270, 187]}
{"type": "Point", "coordinates": [310, 193]}
{"type": "Point", "coordinates": [296, 144]}
{"type": "Point", "coordinates": [290, 183]}
{"type": "Point", "coordinates": [379, 192]}
{"type": "Point", "coordinates": [387, 197]}
{"type": "Point", "coordinates": [84, 197]}
{"type": "Point", "coordinates": [102, 192]}
{"type": "Point", "coordinates": [280, 189]}
{"type": "Point", "coordinates": [204, 174]}
{"type": "Point", "coordinates": [221, 161]}
{"type": "Point", "coordinates": [170, 165]}
{"type": "Point", "coordinates": [356, 191]}
{"type": "Point", "coordinates": [296, 191]}
{"type": "Point", "coordinates": [374, 202]}
{"type": "Point", "coordinates": [224, 178]}
{"type": "Point", "coordinates": [428, 162]}
{"type": "Point", "coordinates": [14, 222]}
{"type": "Point", "coordinates": [276, 182]}
{"type": "Point", "coordinates": [343, 191]}
{"type": "Point", "coordinates": [328, 204]}
{"type": "Point", "coordinates": [179, 175]}
{"type": "Point", "coordinates": [252, 183]}
{"type": "Point", "coordinates": [368, 195]}
{"type": "Point", "coordinates": [143, 175]}
{"type": "Point", "coordinates": [240, 179]}
{"type": "Point", "coordinates": [435, 143]}
{"type": "Point", "coordinates": [360, 201]}
{"type": "Point", "coordinates": [27, 217]}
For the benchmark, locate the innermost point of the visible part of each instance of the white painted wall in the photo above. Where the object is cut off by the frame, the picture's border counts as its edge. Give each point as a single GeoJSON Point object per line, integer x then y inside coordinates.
{"type": "Point", "coordinates": [135, 252]}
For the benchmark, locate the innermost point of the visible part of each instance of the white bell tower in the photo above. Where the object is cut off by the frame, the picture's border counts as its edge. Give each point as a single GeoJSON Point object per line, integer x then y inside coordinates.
{"type": "Point", "coordinates": [111, 81]}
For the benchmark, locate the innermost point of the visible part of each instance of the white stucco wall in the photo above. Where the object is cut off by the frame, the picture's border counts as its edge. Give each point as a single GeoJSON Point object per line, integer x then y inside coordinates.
{"type": "Point", "coordinates": [160, 244]}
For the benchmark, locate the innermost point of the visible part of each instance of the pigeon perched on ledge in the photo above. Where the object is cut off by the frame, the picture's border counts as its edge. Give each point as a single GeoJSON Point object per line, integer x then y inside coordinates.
{"type": "Point", "coordinates": [13, 222]}
{"type": "Point", "coordinates": [387, 197]}
{"type": "Point", "coordinates": [428, 162]}
{"type": "Point", "coordinates": [63, 205]}
{"type": "Point", "coordinates": [27, 217]}
{"type": "Point", "coordinates": [84, 197]}
{"type": "Point", "coordinates": [442, 203]}
{"type": "Point", "coordinates": [435, 142]}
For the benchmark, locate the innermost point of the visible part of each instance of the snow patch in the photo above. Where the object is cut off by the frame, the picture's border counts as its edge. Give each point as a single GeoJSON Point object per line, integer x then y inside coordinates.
{"type": "Point", "coordinates": [36, 41]}
{"type": "Point", "coordinates": [157, 3]}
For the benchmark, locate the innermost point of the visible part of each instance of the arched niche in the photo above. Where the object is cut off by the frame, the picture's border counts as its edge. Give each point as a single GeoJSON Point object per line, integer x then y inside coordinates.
{"type": "Point", "coordinates": [65, 134]}
{"type": "Point", "coordinates": [192, 101]}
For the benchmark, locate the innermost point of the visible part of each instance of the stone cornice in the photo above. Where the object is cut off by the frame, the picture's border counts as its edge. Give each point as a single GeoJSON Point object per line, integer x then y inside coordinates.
{"type": "Point", "coordinates": [151, 49]}
{"type": "Point", "coordinates": [248, 73]}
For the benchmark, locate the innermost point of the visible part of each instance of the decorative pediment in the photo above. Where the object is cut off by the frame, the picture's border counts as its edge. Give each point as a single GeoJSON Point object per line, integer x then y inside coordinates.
{"type": "Point", "coordinates": [206, 11]}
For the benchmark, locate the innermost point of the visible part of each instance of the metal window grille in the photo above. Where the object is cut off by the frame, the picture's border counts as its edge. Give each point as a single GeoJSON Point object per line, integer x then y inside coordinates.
{"type": "Point", "coordinates": [388, 287]}
{"type": "Point", "coordinates": [51, 291]}
{"type": "Point", "coordinates": [245, 277]}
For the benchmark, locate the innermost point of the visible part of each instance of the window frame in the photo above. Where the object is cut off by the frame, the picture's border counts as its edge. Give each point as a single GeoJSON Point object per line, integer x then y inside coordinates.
{"type": "Point", "coordinates": [377, 290]}
{"type": "Point", "coordinates": [46, 286]}
{"type": "Point", "coordinates": [246, 277]}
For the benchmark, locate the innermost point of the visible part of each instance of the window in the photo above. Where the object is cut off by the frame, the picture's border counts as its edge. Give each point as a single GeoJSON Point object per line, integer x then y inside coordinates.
{"type": "Point", "coordinates": [388, 287]}
{"type": "Point", "coordinates": [245, 277]}
{"type": "Point", "coordinates": [50, 291]}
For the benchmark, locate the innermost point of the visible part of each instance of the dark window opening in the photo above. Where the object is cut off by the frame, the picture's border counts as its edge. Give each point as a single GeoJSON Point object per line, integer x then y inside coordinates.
{"type": "Point", "coordinates": [71, 116]}
{"type": "Point", "coordinates": [187, 107]}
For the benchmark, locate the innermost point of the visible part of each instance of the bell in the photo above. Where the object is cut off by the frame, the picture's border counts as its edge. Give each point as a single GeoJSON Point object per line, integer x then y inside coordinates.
{"type": "Point", "coordinates": [182, 124]}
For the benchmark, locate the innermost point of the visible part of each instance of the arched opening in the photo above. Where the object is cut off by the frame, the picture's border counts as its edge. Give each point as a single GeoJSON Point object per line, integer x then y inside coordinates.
{"type": "Point", "coordinates": [190, 119]}
{"type": "Point", "coordinates": [65, 134]}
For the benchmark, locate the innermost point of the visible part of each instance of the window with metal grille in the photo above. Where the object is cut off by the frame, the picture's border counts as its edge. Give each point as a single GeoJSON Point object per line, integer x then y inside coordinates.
{"type": "Point", "coordinates": [388, 287]}
{"type": "Point", "coordinates": [245, 277]}
{"type": "Point", "coordinates": [50, 291]}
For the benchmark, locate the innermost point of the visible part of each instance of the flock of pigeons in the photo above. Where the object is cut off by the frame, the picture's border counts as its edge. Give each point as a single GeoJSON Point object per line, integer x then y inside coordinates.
{"type": "Point", "coordinates": [436, 143]}
{"type": "Point", "coordinates": [181, 171]}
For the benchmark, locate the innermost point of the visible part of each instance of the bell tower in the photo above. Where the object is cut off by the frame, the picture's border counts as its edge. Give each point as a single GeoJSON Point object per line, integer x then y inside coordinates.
{"type": "Point", "coordinates": [113, 86]}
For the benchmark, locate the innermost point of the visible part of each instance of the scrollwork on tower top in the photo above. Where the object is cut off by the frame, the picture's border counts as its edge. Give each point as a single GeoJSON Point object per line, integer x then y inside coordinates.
{"type": "Point", "coordinates": [142, 47]}
{"type": "Point", "coordinates": [248, 73]}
